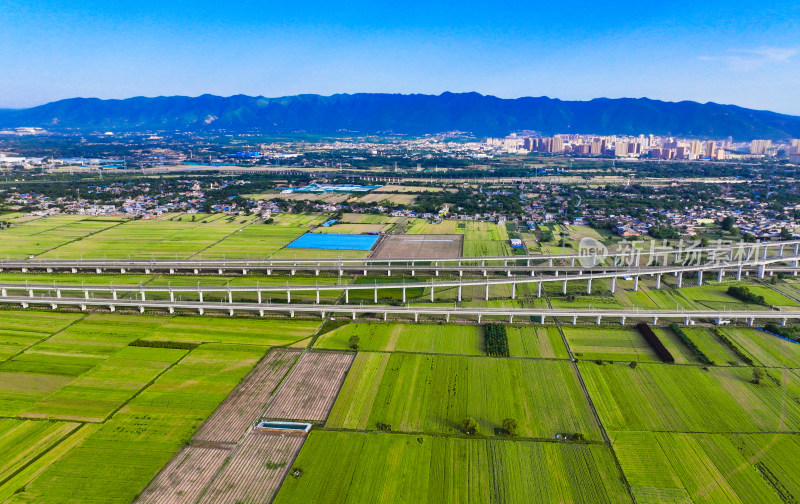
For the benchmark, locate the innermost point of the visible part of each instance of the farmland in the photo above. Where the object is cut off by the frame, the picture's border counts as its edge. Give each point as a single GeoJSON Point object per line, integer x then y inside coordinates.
{"type": "Point", "coordinates": [380, 467]}
{"type": "Point", "coordinates": [422, 393]}
{"type": "Point", "coordinates": [424, 338]}
{"type": "Point", "coordinates": [90, 418]}
{"type": "Point", "coordinates": [613, 344]}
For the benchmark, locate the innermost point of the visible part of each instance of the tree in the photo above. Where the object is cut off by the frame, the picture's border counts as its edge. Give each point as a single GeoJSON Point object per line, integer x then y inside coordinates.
{"type": "Point", "coordinates": [469, 426]}
{"type": "Point", "coordinates": [758, 375]}
{"type": "Point", "coordinates": [786, 234]}
{"type": "Point", "coordinates": [510, 425]}
{"type": "Point", "coordinates": [353, 342]}
{"type": "Point", "coordinates": [727, 223]}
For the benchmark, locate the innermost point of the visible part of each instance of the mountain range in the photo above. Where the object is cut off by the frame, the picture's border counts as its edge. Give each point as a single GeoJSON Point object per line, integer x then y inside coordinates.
{"type": "Point", "coordinates": [412, 114]}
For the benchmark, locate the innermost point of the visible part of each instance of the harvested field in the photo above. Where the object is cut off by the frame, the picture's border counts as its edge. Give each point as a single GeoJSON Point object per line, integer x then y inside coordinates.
{"type": "Point", "coordinates": [407, 189]}
{"type": "Point", "coordinates": [411, 246]}
{"type": "Point", "coordinates": [231, 420]}
{"type": "Point", "coordinates": [183, 480]}
{"type": "Point", "coordinates": [255, 472]}
{"type": "Point", "coordinates": [311, 388]}
{"type": "Point", "coordinates": [400, 199]}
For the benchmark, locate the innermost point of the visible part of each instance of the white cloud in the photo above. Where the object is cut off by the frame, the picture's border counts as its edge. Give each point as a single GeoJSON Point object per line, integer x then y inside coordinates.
{"type": "Point", "coordinates": [751, 59]}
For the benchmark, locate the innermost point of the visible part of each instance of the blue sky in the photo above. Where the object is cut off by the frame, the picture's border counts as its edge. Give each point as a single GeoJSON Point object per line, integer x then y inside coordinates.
{"type": "Point", "coordinates": [728, 52]}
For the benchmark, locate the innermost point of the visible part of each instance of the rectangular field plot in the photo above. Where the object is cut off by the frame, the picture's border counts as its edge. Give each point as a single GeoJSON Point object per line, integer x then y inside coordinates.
{"type": "Point", "coordinates": [387, 468]}
{"type": "Point", "coordinates": [414, 246]}
{"type": "Point", "coordinates": [309, 391]}
{"type": "Point", "coordinates": [680, 398]}
{"type": "Point", "coordinates": [115, 462]}
{"type": "Point", "coordinates": [617, 344]}
{"type": "Point", "coordinates": [20, 330]}
{"type": "Point", "coordinates": [536, 342]}
{"type": "Point", "coordinates": [766, 349]}
{"type": "Point", "coordinates": [255, 472]}
{"type": "Point", "coordinates": [234, 331]}
{"type": "Point", "coordinates": [709, 468]}
{"type": "Point", "coordinates": [422, 393]}
{"type": "Point", "coordinates": [39, 236]}
{"type": "Point", "coordinates": [423, 338]}
{"type": "Point", "coordinates": [256, 241]}
{"type": "Point", "coordinates": [22, 441]}
{"type": "Point", "coordinates": [709, 344]}
{"type": "Point", "coordinates": [183, 480]}
{"type": "Point", "coordinates": [149, 238]}
{"type": "Point", "coordinates": [245, 404]}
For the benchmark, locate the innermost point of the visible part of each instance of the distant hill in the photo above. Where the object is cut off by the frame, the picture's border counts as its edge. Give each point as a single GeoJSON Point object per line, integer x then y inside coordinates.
{"type": "Point", "coordinates": [407, 114]}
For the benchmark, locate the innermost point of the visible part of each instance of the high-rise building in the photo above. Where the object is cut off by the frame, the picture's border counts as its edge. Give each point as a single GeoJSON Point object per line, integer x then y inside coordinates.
{"type": "Point", "coordinates": [760, 146]}
{"type": "Point", "coordinates": [711, 146]}
{"type": "Point", "coordinates": [696, 147]}
{"type": "Point", "coordinates": [795, 146]}
{"type": "Point", "coordinates": [597, 147]}
{"type": "Point", "coordinates": [558, 144]}
{"type": "Point", "coordinates": [621, 149]}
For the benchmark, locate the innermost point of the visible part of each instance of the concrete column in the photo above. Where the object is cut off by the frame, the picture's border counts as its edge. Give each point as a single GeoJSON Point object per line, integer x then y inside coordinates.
{"type": "Point", "coordinates": [487, 292]}
{"type": "Point", "coordinates": [172, 271]}
{"type": "Point", "coordinates": [142, 293]}
{"type": "Point", "coordinates": [686, 321]}
{"type": "Point", "coordinates": [146, 271]}
{"type": "Point", "coordinates": [622, 320]}
{"type": "Point", "coordinates": [783, 321]}
{"type": "Point", "coordinates": [200, 295]}
{"type": "Point", "coordinates": [293, 272]}
{"type": "Point", "coordinates": [680, 279]}
{"type": "Point", "coordinates": [318, 296]}
{"type": "Point", "coordinates": [4, 293]}
{"type": "Point", "coordinates": [739, 273]}
{"type": "Point", "coordinates": [780, 251]}
{"type": "Point", "coordinates": [479, 318]}
{"type": "Point", "coordinates": [720, 274]}
{"type": "Point", "coordinates": [30, 293]}
{"type": "Point", "coordinates": [98, 270]}
{"type": "Point", "coordinates": [572, 262]}
{"type": "Point", "coordinates": [700, 277]}
{"type": "Point", "coordinates": [574, 319]}
{"type": "Point", "coordinates": [404, 294]}
{"type": "Point", "coordinates": [761, 271]}
{"type": "Point", "coordinates": [230, 312]}
{"type": "Point", "coordinates": [141, 309]}
{"type": "Point", "coordinates": [431, 293]}
{"type": "Point", "coordinates": [413, 273]}
{"type": "Point", "coordinates": [316, 272]}
{"type": "Point", "coordinates": [658, 281]}
{"type": "Point", "coordinates": [171, 309]}
{"type": "Point", "coordinates": [636, 283]}
{"type": "Point", "coordinates": [764, 254]}
{"type": "Point", "coordinates": [385, 316]}
{"type": "Point", "coordinates": [599, 319]}
{"type": "Point", "coordinates": [388, 272]}
{"type": "Point", "coordinates": [172, 296]}
{"type": "Point", "coordinates": [291, 313]}
{"type": "Point", "coordinates": [261, 313]}
{"type": "Point", "coordinates": [613, 284]}
{"type": "Point", "coordinates": [121, 270]}
{"type": "Point", "coordinates": [114, 295]}
{"type": "Point", "coordinates": [269, 272]}
{"type": "Point", "coordinates": [564, 288]}
{"type": "Point", "coordinates": [655, 320]}
{"type": "Point", "coordinates": [460, 273]}
{"type": "Point", "coordinates": [74, 270]}
{"type": "Point", "coordinates": [83, 307]}
{"type": "Point", "coordinates": [219, 271]}
{"type": "Point", "coordinates": [111, 308]}
{"type": "Point", "coordinates": [539, 290]}
{"type": "Point", "coordinates": [751, 321]}
{"type": "Point", "coordinates": [58, 293]}
{"type": "Point", "coordinates": [50, 270]}
{"type": "Point", "coordinates": [416, 317]}
{"type": "Point", "coordinates": [513, 291]}
{"type": "Point", "coordinates": [550, 262]}
{"type": "Point", "coordinates": [200, 311]}
{"type": "Point", "coordinates": [589, 286]}
{"type": "Point", "coordinates": [230, 297]}
{"type": "Point", "coordinates": [288, 296]}
{"type": "Point", "coordinates": [374, 296]}
{"type": "Point", "coordinates": [437, 272]}
{"type": "Point", "coordinates": [447, 317]}
{"type": "Point", "coordinates": [196, 271]}
{"type": "Point", "coordinates": [459, 293]}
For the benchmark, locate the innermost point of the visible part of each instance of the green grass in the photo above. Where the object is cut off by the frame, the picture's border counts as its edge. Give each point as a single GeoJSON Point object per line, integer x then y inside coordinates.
{"type": "Point", "coordinates": [38, 236]}
{"type": "Point", "coordinates": [20, 330]}
{"type": "Point", "coordinates": [256, 241]}
{"type": "Point", "coordinates": [423, 338]}
{"type": "Point", "coordinates": [536, 342]}
{"type": "Point", "coordinates": [422, 393]}
{"type": "Point", "coordinates": [679, 398]}
{"type": "Point", "coordinates": [612, 344]}
{"type": "Point", "coordinates": [114, 463]}
{"type": "Point", "coordinates": [705, 340]}
{"type": "Point", "coordinates": [400, 468]}
{"type": "Point", "coordinates": [764, 348]}
{"type": "Point", "coordinates": [709, 468]}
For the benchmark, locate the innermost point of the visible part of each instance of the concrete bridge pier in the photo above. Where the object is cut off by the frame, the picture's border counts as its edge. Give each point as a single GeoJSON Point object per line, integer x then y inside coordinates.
{"type": "Point", "coordinates": [658, 281]}
{"type": "Point", "coordinates": [539, 290]}
{"type": "Point", "coordinates": [783, 321]}
{"type": "Point", "coordinates": [589, 286]}
{"type": "Point", "coordinates": [780, 251]}
{"type": "Point", "coordinates": [141, 309]}
{"type": "Point", "coordinates": [738, 273]}
{"type": "Point", "coordinates": [114, 295]}
{"type": "Point", "coordinates": [200, 311]}
{"type": "Point", "coordinates": [230, 312]}
{"type": "Point", "coordinates": [564, 288]}
{"type": "Point", "coordinates": [541, 319]}
{"type": "Point", "coordinates": [680, 279]}
{"type": "Point", "coordinates": [83, 307]}
{"type": "Point", "coordinates": [141, 293]}
{"type": "Point", "coordinates": [599, 319]}
{"type": "Point", "coordinates": [447, 317]}
{"type": "Point", "coordinates": [636, 283]}
{"type": "Point", "coordinates": [200, 295]}
{"type": "Point", "coordinates": [574, 319]}
{"type": "Point", "coordinates": [288, 296]}
{"type": "Point", "coordinates": [416, 317]}
{"type": "Point", "coordinates": [196, 271]}
{"type": "Point", "coordinates": [85, 294]}
{"type": "Point", "coordinates": [720, 274]}
{"type": "Point", "coordinates": [4, 293]}
{"type": "Point", "coordinates": [513, 291]}
{"type": "Point", "coordinates": [622, 320]}
{"type": "Point", "coordinates": [700, 277]}
{"type": "Point", "coordinates": [751, 321]}
{"type": "Point", "coordinates": [486, 294]}
{"type": "Point", "coordinates": [459, 293]}
{"type": "Point", "coordinates": [261, 313]}
{"type": "Point", "coordinates": [511, 319]}
{"type": "Point", "coordinates": [655, 320]}
{"type": "Point", "coordinates": [613, 284]}
{"type": "Point", "coordinates": [74, 270]}
{"type": "Point", "coordinates": [219, 271]}
{"type": "Point", "coordinates": [764, 255]}
{"type": "Point", "coordinates": [686, 321]}
{"type": "Point", "coordinates": [761, 271]}
{"type": "Point", "coordinates": [30, 293]}
{"type": "Point", "coordinates": [431, 293]}
{"type": "Point", "coordinates": [172, 296]}
{"type": "Point", "coordinates": [172, 271]}
{"type": "Point", "coordinates": [58, 293]}
{"type": "Point", "coordinates": [55, 306]}
{"type": "Point", "coordinates": [404, 294]}
{"type": "Point", "coordinates": [171, 309]}
{"type": "Point", "coordinates": [317, 293]}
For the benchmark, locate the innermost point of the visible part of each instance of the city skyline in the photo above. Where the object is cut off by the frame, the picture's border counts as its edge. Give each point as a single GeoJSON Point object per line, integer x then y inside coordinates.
{"type": "Point", "coordinates": [508, 50]}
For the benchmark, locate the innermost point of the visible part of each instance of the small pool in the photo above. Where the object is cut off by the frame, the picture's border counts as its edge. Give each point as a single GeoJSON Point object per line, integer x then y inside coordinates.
{"type": "Point", "coordinates": [323, 241]}
{"type": "Point", "coordinates": [290, 426]}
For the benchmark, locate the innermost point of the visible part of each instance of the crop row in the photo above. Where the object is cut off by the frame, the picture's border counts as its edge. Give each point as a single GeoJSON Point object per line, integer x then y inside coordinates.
{"type": "Point", "coordinates": [496, 340]}
{"type": "Point", "coordinates": [655, 343]}
{"type": "Point", "coordinates": [692, 346]}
